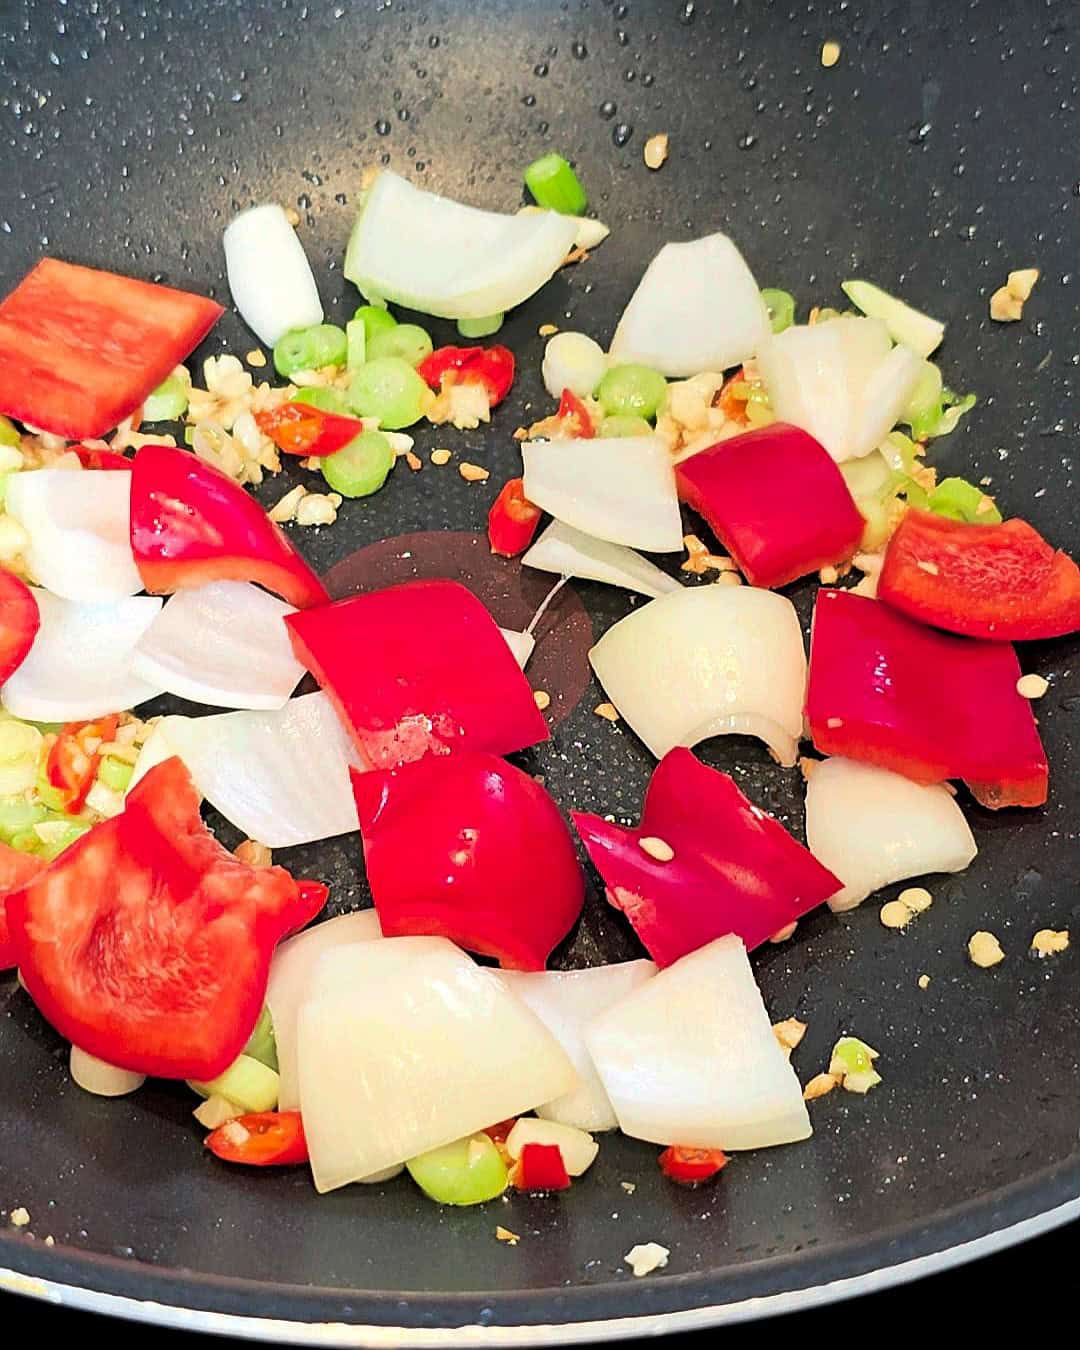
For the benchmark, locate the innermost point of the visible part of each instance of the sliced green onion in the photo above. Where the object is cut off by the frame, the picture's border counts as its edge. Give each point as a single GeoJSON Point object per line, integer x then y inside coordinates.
{"type": "Point", "coordinates": [390, 390]}
{"type": "Point", "coordinates": [924, 406]}
{"type": "Point", "coordinates": [910, 326]}
{"type": "Point", "coordinates": [355, 343]}
{"type": "Point", "coordinates": [913, 493]}
{"type": "Point", "coordinates": [189, 435]}
{"type": "Point", "coordinates": [405, 340]}
{"type": "Point", "coordinates": [638, 391]}
{"type": "Point", "coordinates": [361, 467]}
{"type": "Point", "coordinates": [853, 1061]}
{"type": "Point", "coordinates": [324, 344]}
{"type": "Point", "coordinates": [480, 328]}
{"type": "Point", "coordinates": [247, 1082]}
{"type": "Point", "coordinates": [19, 814]}
{"type": "Point", "coordinates": [261, 1043]}
{"type": "Point", "coordinates": [467, 1172]}
{"type": "Point", "coordinates": [899, 452]}
{"type": "Point", "coordinates": [48, 795]}
{"type": "Point", "coordinates": [624, 424]}
{"type": "Point", "coordinates": [868, 477]}
{"type": "Point", "coordinates": [57, 835]}
{"type": "Point", "coordinates": [960, 500]}
{"type": "Point", "coordinates": [115, 773]}
{"type": "Point", "coordinates": [375, 318]}
{"type": "Point", "coordinates": [20, 750]}
{"type": "Point", "coordinates": [9, 433]}
{"type": "Point", "coordinates": [322, 396]}
{"type": "Point", "coordinates": [168, 402]}
{"type": "Point", "coordinates": [555, 186]}
{"type": "Point", "coordinates": [781, 307]}
{"type": "Point", "coordinates": [954, 406]}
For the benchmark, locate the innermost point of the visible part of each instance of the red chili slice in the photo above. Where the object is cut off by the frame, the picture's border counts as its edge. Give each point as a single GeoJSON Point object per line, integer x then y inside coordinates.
{"type": "Point", "coordinates": [688, 1166]}
{"type": "Point", "coordinates": [512, 520]}
{"type": "Point", "coordinates": [303, 429]}
{"type": "Point", "coordinates": [540, 1168]}
{"type": "Point", "coordinates": [261, 1139]}
{"type": "Point", "coordinates": [493, 367]}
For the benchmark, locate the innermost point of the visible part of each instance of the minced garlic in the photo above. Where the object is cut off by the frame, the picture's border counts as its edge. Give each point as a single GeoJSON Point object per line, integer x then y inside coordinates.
{"type": "Point", "coordinates": [1032, 686]}
{"type": "Point", "coordinates": [646, 1257]}
{"type": "Point", "coordinates": [985, 950]}
{"type": "Point", "coordinates": [607, 711]}
{"type": "Point", "coordinates": [1047, 942]}
{"type": "Point", "coordinates": [656, 848]}
{"type": "Point", "coordinates": [819, 1086]}
{"type": "Point", "coordinates": [656, 150]}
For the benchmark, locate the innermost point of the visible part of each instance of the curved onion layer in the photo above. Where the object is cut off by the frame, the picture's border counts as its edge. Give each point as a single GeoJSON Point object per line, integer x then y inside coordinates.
{"type": "Point", "coordinates": [691, 1056]}
{"type": "Point", "coordinates": [696, 308]}
{"type": "Point", "coordinates": [291, 974]}
{"type": "Point", "coordinates": [282, 777]}
{"type": "Point", "coordinates": [269, 275]}
{"type": "Point", "coordinates": [570, 553]}
{"type": "Point", "coordinates": [79, 523]}
{"type": "Point", "coordinates": [440, 257]}
{"type": "Point", "coordinates": [522, 644]}
{"type": "Point", "coordinates": [80, 666]}
{"type": "Point", "coordinates": [103, 1080]}
{"type": "Point", "coordinates": [621, 490]}
{"type": "Point", "coordinates": [566, 1001]}
{"type": "Point", "coordinates": [842, 381]}
{"type": "Point", "coordinates": [406, 1045]}
{"type": "Point", "coordinates": [224, 644]}
{"type": "Point", "coordinates": [711, 661]}
{"type": "Point", "coordinates": [872, 827]}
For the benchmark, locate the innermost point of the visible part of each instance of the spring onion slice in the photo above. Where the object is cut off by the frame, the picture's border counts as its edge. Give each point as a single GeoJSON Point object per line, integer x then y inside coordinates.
{"type": "Point", "coordinates": [555, 186]}
{"type": "Point", "coordinates": [915, 330]}
{"type": "Point", "coordinates": [568, 552]}
{"type": "Point", "coordinates": [960, 500]}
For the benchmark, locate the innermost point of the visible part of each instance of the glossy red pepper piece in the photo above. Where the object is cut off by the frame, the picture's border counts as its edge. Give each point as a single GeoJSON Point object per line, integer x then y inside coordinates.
{"type": "Point", "coordinates": [512, 520]}
{"type": "Point", "coordinates": [16, 869]}
{"type": "Point", "coordinates": [776, 500]}
{"type": "Point", "coordinates": [734, 870]}
{"type": "Point", "coordinates": [148, 944]}
{"type": "Point", "coordinates": [689, 1166]}
{"type": "Point", "coordinates": [418, 667]}
{"type": "Point", "coordinates": [493, 367]}
{"type": "Point", "coordinates": [886, 690]}
{"type": "Point", "coordinates": [19, 622]}
{"type": "Point", "coordinates": [303, 429]}
{"type": "Point", "coordinates": [1003, 582]}
{"type": "Point", "coordinates": [467, 847]}
{"type": "Point", "coordinates": [94, 457]}
{"type": "Point", "coordinates": [311, 898]}
{"type": "Point", "coordinates": [540, 1168]}
{"type": "Point", "coordinates": [575, 417]}
{"type": "Point", "coordinates": [261, 1139]}
{"type": "Point", "coordinates": [190, 524]}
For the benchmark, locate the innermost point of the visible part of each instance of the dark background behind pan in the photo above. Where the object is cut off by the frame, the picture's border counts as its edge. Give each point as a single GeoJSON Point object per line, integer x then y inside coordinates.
{"type": "Point", "coordinates": [936, 156]}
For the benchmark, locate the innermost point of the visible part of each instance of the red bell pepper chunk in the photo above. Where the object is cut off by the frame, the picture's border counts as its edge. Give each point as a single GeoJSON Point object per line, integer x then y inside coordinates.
{"type": "Point", "coordinates": [688, 1166]}
{"type": "Point", "coordinates": [776, 500]}
{"type": "Point", "coordinates": [81, 349]}
{"type": "Point", "coordinates": [467, 847]}
{"type": "Point", "coordinates": [540, 1168]}
{"type": "Point", "coordinates": [16, 869]}
{"type": "Point", "coordinates": [512, 520]}
{"type": "Point", "coordinates": [190, 524]}
{"type": "Point", "coordinates": [735, 869]}
{"type": "Point", "coordinates": [148, 944]}
{"type": "Point", "coordinates": [927, 705]}
{"type": "Point", "coordinates": [94, 457]}
{"type": "Point", "coordinates": [418, 667]}
{"type": "Point", "coordinates": [261, 1139]}
{"type": "Point", "coordinates": [303, 429]}
{"type": "Point", "coordinates": [493, 367]}
{"type": "Point", "coordinates": [19, 622]}
{"type": "Point", "coordinates": [991, 581]}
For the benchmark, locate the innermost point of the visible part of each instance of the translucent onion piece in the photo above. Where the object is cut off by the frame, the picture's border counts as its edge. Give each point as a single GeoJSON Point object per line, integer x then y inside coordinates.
{"type": "Point", "coordinates": [568, 552]}
{"type": "Point", "coordinates": [282, 777]}
{"type": "Point", "coordinates": [884, 397]}
{"type": "Point", "coordinates": [155, 750]}
{"type": "Point", "coordinates": [566, 1001]}
{"type": "Point", "coordinates": [871, 827]}
{"type": "Point", "coordinates": [521, 644]}
{"type": "Point", "coordinates": [407, 1045]}
{"type": "Point", "coordinates": [269, 275]}
{"type": "Point", "coordinates": [690, 1056]}
{"type": "Point", "coordinates": [696, 308]}
{"type": "Point", "coordinates": [80, 666]}
{"type": "Point", "coordinates": [103, 1080]}
{"type": "Point", "coordinates": [621, 489]}
{"type": "Point", "coordinates": [590, 233]}
{"type": "Point", "coordinates": [79, 523]}
{"type": "Point", "coordinates": [440, 257]}
{"type": "Point", "coordinates": [224, 644]}
{"type": "Point", "coordinates": [708, 661]}
{"type": "Point", "coordinates": [290, 986]}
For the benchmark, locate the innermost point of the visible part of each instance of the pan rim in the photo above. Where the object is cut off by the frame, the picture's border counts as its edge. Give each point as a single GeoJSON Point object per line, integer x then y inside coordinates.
{"type": "Point", "coordinates": [214, 1305]}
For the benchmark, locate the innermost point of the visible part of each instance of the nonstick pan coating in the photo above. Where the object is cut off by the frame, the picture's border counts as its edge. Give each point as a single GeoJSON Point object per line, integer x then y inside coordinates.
{"type": "Point", "coordinates": [933, 158]}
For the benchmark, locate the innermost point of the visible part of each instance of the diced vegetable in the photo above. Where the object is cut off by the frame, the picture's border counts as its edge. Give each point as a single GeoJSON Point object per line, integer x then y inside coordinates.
{"type": "Point", "coordinates": [958, 499]}
{"type": "Point", "coordinates": [19, 622]}
{"type": "Point", "coordinates": [309, 426]}
{"type": "Point", "coordinates": [81, 349]}
{"type": "Point", "coordinates": [490, 367]}
{"type": "Point", "coordinates": [493, 869]}
{"type": "Point", "coordinates": [103, 1080]}
{"type": "Point", "coordinates": [324, 397]}
{"type": "Point", "coordinates": [418, 667]}
{"type": "Point", "coordinates": [754, 490]}
{"type": "Point", "coordinates": [620, 490]}
{"type": "Point", "coordinates": [872, 827]}
{"type": "Point", "coordinates": [248, 1082]}
{"type": "Point", "coordinates": [632, 391]}
{"type": "Point", "coordinates": [480, 328]}
{"type": "Point", "coordinates": [696, 308]}
{"type": "Point", "coordinates": [512, 520]}
{"type": "Point", "coordinates": [16, 870]}
{"type": "Point", "coordinates": [555, 186]}
{"type": "Point", "coordinates": [885, 690]}
{"type": "Point", "coordinates": [577, 1147]}
{"type": "Point", "coordinates": [361, 467]}
{"type": "Point", "coordinates": [405, 341]}
{"type": "Point", "coordinates": [689, 1166]}
{"type": "Point", "coordinates": [115, 774]}
{"type": "Point", "coordinates": [724, 866]}
{"type": "Point", "coordinates": [168, 402]}
{"type": "Point", "coordinates": [711, 661]}
{"type": "Point", "coordinates": [323, 344]}
{"type": "Point", "coordinates": [540, 1168]}
{"type": "Point", "coordinates": [190, 524]}
{"type": "Point", "coordinates": [391, 1033]}
{"type": "Point", "coordinates": [852, 1061]}
{"type": "Point", "coordinates": [355, 343]}
{"type": "Point", "coordinates": [78, 521]}
{"type": "Point", "coordinates": [466, 1172]}
{"type": "Point", "coordinates": [573, 361]}
{"type": "Point", "coordinates": [1003, 582]}
{"type": "Point", "coordinates": [691, 1055]}
{"type": "Point", "coordinates": [914, 329]}
{"type": "Point", "coordinates": [440, 257]}
{"type": "Point", "coordinates": [224, 644]}
{"type": "Point", "coordinates": [72, 762]}
{"type": "Point", "coordinates": [390, 389]}
{"type": "Point", "coordinates": [566, 1001]}
{"type": "Point", "coordinates": [269, 275]}
{"type": "Point", "coordinates": [376, 319]}
{"type": "Point", "coordinates": [568, 552]}
{"type": "Point", "coordinates": [262, 1139]}
{"type": "Point", "coordinates": [781, 308]}
{"type": "Point", "coordinates": [80, 665]}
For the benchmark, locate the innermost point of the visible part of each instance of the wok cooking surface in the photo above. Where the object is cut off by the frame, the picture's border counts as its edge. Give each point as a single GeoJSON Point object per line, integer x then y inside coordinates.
{"type": "Point", "coordinates": [931, 160]}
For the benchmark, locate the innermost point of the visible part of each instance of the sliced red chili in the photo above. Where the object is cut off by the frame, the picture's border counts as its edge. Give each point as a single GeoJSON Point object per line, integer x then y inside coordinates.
{"type": "Point", "coordinates": [688, 1166]}
{"type": "Point", "coordinates": [261, 1139]}
{"type": "Point", "coordinates": [512, 520]}
{"type": "Point", "coordinates": [493, 367]}
{"type": "Point", "coordinates": [540, 1168]}
{"type": "Point", "coordinates": [303, 429]}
